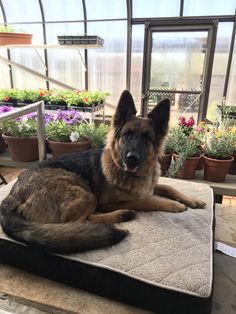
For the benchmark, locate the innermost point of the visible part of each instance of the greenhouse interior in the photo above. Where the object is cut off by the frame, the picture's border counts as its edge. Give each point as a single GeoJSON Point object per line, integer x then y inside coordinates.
{"type": "Point", "coordinates": [118, 156]}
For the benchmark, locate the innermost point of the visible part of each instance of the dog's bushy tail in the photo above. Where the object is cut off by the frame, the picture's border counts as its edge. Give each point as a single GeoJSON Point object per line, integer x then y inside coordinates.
{"type": "Point", "coordinates": [60, 237]}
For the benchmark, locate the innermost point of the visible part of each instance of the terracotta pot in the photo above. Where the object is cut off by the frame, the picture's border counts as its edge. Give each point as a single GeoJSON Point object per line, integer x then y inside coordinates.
{"type": "Point", "coordinates": [164, 161]}
{"type": "Point", "coordinates": [60, 148]}
{"type": "Point", "coordinates": [189, 168]}
{"type": "Point", "coordinates": [2, 144]}
{"type": "Point", "coordinates": [22, 148]}
{"type": "Point", "coordinates": [216, 170]}
{"type": "Point", "coordinates": [232, 168]}
{"type": "Point", "coordinates": [15, 38]}
{"type": "Point", "coordinates": [200, 165]}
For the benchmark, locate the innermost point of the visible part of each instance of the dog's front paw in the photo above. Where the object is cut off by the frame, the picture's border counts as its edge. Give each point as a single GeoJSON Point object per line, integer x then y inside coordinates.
{"type": "Point", "coordinates": [195, 203]}
{"type": "Point", "coordinates": [126, 215]}
{"type": "Point", "coordinates": [174, 207]}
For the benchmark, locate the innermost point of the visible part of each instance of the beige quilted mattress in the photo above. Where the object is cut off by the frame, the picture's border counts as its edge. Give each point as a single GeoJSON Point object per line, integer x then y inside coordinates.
{"type": "Point", "coordinates": [167, 250]}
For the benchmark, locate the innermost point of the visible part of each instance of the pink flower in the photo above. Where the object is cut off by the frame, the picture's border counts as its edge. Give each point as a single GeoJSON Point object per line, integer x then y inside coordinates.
{"type": "Point", "coordinates": [6, 98]}
{"type": "Point", "coordinates": [198, 128]}
{"type": "Point", "coordinates": [190, 121]}
{"type": "Point", "coordinates": [182, 121]}
{"type": "Point", "coordinates": [86, 99]}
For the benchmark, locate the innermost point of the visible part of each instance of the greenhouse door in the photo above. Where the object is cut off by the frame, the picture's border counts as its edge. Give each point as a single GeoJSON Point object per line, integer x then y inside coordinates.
{"type": "Point", "coordinates": [177, 65]}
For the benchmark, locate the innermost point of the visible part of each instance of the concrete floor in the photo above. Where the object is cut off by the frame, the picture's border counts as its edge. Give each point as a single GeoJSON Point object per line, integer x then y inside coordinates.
{"type": "Point", "coordinates": [21, 292]}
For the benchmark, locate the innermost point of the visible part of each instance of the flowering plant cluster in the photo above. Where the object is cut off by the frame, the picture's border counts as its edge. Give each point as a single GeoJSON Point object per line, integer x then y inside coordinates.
{"type": "Point", "coordinates": [186, 124]}
{"type": "Point", "coordinates": [219, 143]}
{"type": "Point", "coordinates": [62, 126]}
{"type": "Point", "coordinates": [53, 97]}
{"type": "Point", "coordinates": [24, 126]}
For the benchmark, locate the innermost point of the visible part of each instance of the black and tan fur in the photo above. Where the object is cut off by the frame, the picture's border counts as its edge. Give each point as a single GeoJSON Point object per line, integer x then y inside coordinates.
{"type": "Point", "coordinates": [70, 203]}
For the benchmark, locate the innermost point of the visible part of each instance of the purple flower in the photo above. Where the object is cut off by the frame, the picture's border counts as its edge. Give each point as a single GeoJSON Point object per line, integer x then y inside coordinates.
{"type": "Point", "coordinates": [4, 109]}
{"type": "Point", "coordinates": [48, 117]}
{"type": "Point", "coordinates": [31, 115]}
{"type": "Point", "coordinates": [68, 116]}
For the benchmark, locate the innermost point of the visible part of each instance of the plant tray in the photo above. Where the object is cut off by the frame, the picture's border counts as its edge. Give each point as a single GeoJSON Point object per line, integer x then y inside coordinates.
{"type": "Point", "coordinates": [228, 111]}
{"type": "Point", "coordinates": [92, 108]}
{"type": "Point", "coordinates": [80, 40]}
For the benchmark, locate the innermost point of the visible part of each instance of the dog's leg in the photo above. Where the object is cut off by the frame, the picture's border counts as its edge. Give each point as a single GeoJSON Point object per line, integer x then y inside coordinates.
{"type": "Point", "coordinates": [172, 193]}
{"type": "Point", "coordinates": [155, 203]}
{"type": "Point", "coordinates": [80, 207]}
{"type": "Point", "coordinates": [116, 216]}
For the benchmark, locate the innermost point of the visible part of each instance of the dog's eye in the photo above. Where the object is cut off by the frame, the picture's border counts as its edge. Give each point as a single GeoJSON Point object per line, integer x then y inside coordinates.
{"type": "Point", "coordinates": [128, 134]}
{"type": "Point", "coordinates": [147, 136]}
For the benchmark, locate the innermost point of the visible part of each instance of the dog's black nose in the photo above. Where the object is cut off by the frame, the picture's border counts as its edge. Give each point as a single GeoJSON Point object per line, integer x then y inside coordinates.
{"type": "Point", "coordinates": [132, 157]}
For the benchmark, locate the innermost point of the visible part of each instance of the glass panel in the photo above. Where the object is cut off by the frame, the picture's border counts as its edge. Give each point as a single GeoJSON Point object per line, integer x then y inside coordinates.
{"type": "Point", "coordinates": [137, 63]}
{"type": "Point", "coordinates": [186, 104]}
{"type": "Point", "coordinates": [231, 95]}
{"type": "Point", "coordinates": [32, 60]}
{"type": "Point", "coordinates": [209, 7]}
{"type": "Point", "coordinates": [177, 60]}
{"type": "Point", "coordinates": [156, 8]}
{"type": "Point", "coordinates": [63, 10]}
{"type": "Point", "coordinates": [65, 64]}
{"type": "Point", "coordinates": [223, 40]}
{"type": "Point", "coordinates": [1, 17]}
{"type": "Point", "coordinates": [107, 65]}
{"type": "Point", "coordinates": [22, 11]}
{"type": "Point", "coordinates": [4, 70]}
{"type": "Point", "coordinates": [106, 9]}
{"type": "Point", "coordinates": [177, 64]}
{"type": "Point", "coordinates": [25, 80]}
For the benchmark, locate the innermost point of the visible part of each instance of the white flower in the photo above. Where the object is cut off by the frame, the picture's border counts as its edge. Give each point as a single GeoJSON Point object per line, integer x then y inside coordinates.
{"type": "Point", "coordinates": [74, 136]}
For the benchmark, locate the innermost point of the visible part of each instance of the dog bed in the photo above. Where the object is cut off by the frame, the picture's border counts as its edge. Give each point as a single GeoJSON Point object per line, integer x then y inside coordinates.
{"type": "Point", "coordinates": [164, 265]}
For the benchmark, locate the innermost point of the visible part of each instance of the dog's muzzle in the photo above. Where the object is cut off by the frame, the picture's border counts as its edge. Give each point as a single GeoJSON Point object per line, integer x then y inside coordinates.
{"type": "Point", "coordinates": [131, 163]}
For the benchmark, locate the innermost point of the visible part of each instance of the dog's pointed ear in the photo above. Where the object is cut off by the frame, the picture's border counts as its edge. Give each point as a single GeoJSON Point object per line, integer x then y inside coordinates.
{"type": "Point", "coordinates": [160, 115]}
{"type": "Point", "coordinates": [125, 109]}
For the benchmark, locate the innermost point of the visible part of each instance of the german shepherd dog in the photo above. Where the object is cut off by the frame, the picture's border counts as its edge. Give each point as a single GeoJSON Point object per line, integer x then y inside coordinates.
{"type": "Point", "coordinates": [70, 203]}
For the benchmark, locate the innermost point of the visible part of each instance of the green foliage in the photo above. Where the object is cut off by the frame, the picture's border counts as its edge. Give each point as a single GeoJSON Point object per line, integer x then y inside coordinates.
{"type": "Point", "coordinates": [182, 145]}
{"type": "Point", "coordinates": [10, 29]}
{"type": "Point", "coordinates": [15, 95]}
{"type": "Point", "coordinates": [61, 131]}
{"type": "Point", "coordinates": [96, 133]}
{"type": "Point", "coordinates": [20, 128]}
{"type": "Point", "coordinates": [219, 144]}
{"type": "Point", "coordinates": [69, 97]}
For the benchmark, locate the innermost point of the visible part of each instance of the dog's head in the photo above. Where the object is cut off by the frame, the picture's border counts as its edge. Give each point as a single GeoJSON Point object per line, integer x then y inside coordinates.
{"type": "Point", "coordinates": [136, 141]}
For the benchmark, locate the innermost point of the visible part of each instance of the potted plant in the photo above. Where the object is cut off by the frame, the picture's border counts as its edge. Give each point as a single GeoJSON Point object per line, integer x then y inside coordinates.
{"type": "Point", "coordinates": [20, 135]}
{"type": "Point", "coordinates": [66, 133]}
{"type": "Point", "coordinates": [186, 155]}
{"type": "Point", "coordinates": [198, 133]}
{"type": "Point", "coordinates": [232, 168]}
{"type": "Point", "coordinates": [219, 146]}
{"type": "Point", "coordinates": [10, 36]}
{"type": "Point", "coordinates": [166, 158]}
{"type": "Point", "coordinates": [3, 145]}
